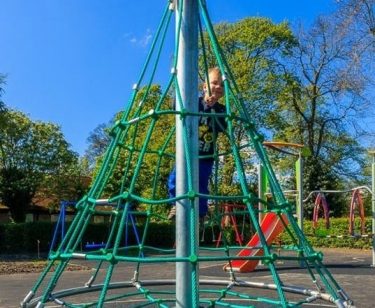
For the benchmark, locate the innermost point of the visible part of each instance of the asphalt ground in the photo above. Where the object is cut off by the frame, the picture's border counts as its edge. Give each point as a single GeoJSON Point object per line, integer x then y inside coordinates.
{"type": "Point", "coordinates": [350, 268]}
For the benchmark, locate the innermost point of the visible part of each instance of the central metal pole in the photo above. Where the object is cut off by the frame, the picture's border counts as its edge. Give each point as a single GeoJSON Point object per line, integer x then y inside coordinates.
{"type": "Point", "coordinates": [187, 278]}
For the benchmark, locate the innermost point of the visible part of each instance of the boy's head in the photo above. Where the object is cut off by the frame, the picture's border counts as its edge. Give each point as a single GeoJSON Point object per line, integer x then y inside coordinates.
{"type": "Point", "coordinates": [214, 91]}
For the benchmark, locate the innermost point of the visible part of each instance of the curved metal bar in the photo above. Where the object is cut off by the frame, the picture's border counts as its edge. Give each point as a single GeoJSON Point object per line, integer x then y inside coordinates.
{"type": "Point", "coordinates": [312, 294]}
{"type": "Point", "coordinates": [337, 191]}
{"type": "Point", "coordinates": [281, 144]}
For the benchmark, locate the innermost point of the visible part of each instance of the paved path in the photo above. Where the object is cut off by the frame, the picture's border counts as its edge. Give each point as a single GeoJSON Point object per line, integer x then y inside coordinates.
{"type": "Point", "coordinates": [351, 268]}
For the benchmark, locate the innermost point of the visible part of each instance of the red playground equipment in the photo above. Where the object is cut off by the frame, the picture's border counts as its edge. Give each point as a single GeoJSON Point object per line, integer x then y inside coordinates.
{"type": "Point", "coordinates": [229, 219]}
{"type": "Point", "coordinates": [271, 224]}
{"type": "Point", "coordinates": [271, 227]}
{"type": "Point", "coordinates": [320, 202]}
{"type": "Point", "coordinates": [356, 202]}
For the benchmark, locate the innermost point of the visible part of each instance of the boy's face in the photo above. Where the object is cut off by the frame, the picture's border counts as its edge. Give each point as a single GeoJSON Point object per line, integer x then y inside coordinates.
{"type": "Point", "coordinates": [216, 87]}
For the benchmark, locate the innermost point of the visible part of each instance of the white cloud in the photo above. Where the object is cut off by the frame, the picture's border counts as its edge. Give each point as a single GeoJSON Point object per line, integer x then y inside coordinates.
{"type": "Point", "coordinates": [146, 38]}
{"type": "Point", "coordinates": [139, 41]}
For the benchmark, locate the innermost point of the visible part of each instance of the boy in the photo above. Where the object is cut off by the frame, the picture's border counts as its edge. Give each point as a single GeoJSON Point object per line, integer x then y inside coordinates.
{"type": "Point", "coordinates": [209, 127]}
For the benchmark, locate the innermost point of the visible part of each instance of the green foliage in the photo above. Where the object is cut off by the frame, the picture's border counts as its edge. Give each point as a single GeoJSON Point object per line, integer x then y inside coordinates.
{"type": "Point", "coordinates": [150, 180]}
{"type": "Point", "coordinates": [11, 238]}
{"type": "Point", "coordinates": [95, 233]}
{"type": "Point", "coordinates": [98, 141]}
{"type": "Point", "coordinates": [290, 97]}
{"type": "Point", "coordinates": [24, 237]}
{"type": "Point", "coordinates": [33, 155]}
{"type": "Point", "coordinates": [161, 235]}
{"type": "Point", "coordinates": [253, 48]}
{"type": "Point", "coordinates": [70, 182]}
{"type": "Point", "coordinates": [2, 105]}
{"type": "Point", "coordinates": [338, 227]}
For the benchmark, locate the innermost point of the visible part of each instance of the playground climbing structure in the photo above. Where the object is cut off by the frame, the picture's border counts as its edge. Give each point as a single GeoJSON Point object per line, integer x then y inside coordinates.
{"type": "Point", "coordinates": [133, 175]}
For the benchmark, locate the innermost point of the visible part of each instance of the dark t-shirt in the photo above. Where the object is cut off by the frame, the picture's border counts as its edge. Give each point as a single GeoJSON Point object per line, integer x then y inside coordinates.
{"type": "Point", "coordinates": [209, 127]}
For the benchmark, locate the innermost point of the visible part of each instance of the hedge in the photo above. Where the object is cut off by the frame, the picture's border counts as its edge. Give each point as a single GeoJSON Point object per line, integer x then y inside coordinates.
{"type": "Point", "coordinates": [23, 238]}
{"type": "Point", "coordinates": [337, 236]}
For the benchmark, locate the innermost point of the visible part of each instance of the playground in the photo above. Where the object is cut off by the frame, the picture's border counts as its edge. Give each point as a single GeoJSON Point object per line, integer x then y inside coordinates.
{"type": "Point", "coordinates": [351, 268]}
{"type": "Point", "coordinates": [165, 175]}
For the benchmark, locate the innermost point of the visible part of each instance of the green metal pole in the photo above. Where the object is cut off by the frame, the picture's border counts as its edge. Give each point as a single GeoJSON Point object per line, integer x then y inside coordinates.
{"type": "Point", "coordinates": [299, 184]}
{"type": "Point", "coordinates": [262, 190]}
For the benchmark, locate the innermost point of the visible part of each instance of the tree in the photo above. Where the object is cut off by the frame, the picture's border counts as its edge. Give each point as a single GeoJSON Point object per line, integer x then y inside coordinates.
{"type": "Point", "coordinates": [358, 14]}
{"type": "Point", "coordinates": [253, 48]}
{"type": "Point", "coordinates": [98, 141]}
{"type": "Point", "coordinates": [326, 101]}
{"type": "Point", "coordinates": [324, 98]}
{"type": "Point", "coordinates": [129, 152]}
{"type": "Point", "coordinates": [2, 104]}
{"type": "Point", "coordinates": [307, 87]}
{"type": "Point", "coordinates": [30, 154]}
{"type": "Point", "coordinates": [70, 183]}
{"type": "Point", "coordinates": [358, 18]}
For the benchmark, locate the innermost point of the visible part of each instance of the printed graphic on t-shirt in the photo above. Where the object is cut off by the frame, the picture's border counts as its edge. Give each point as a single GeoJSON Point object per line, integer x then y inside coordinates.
{"type": "Point", "coordinates": [209, 127]}
{"type": "Point", "coordinates": [205, 136]}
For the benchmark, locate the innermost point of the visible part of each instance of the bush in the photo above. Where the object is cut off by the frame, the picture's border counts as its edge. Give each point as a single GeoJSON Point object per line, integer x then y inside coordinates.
{"type": "Point", "coordinates": [12, 240]}
{"type": "Point", "coordinates": [34, 232]}
{"type": "Point", "coordinates": [161, 235]}
{"type": "Point", "coordinates": [337, 236]}
{"type": "Point", "coordinates": [20, 238]}
{"type": "Point", "coordinates": [24, 237]}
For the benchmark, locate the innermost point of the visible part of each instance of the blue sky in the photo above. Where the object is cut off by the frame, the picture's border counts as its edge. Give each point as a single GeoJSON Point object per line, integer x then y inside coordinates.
{"type": "Point", "coordinates": [73, 62]}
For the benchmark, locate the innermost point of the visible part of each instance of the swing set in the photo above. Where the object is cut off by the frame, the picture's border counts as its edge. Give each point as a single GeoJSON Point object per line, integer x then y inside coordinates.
{"type": "Point", "coordinates": [60, 227]}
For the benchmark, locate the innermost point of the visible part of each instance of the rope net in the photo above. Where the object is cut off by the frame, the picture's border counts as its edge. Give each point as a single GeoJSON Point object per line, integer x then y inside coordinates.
{"type": "Point", "coordinates": [132, 183]}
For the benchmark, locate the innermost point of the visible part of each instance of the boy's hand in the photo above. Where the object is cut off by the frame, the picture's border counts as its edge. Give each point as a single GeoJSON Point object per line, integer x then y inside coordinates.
{"type": "Point", "coordinates": [211, 100]}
